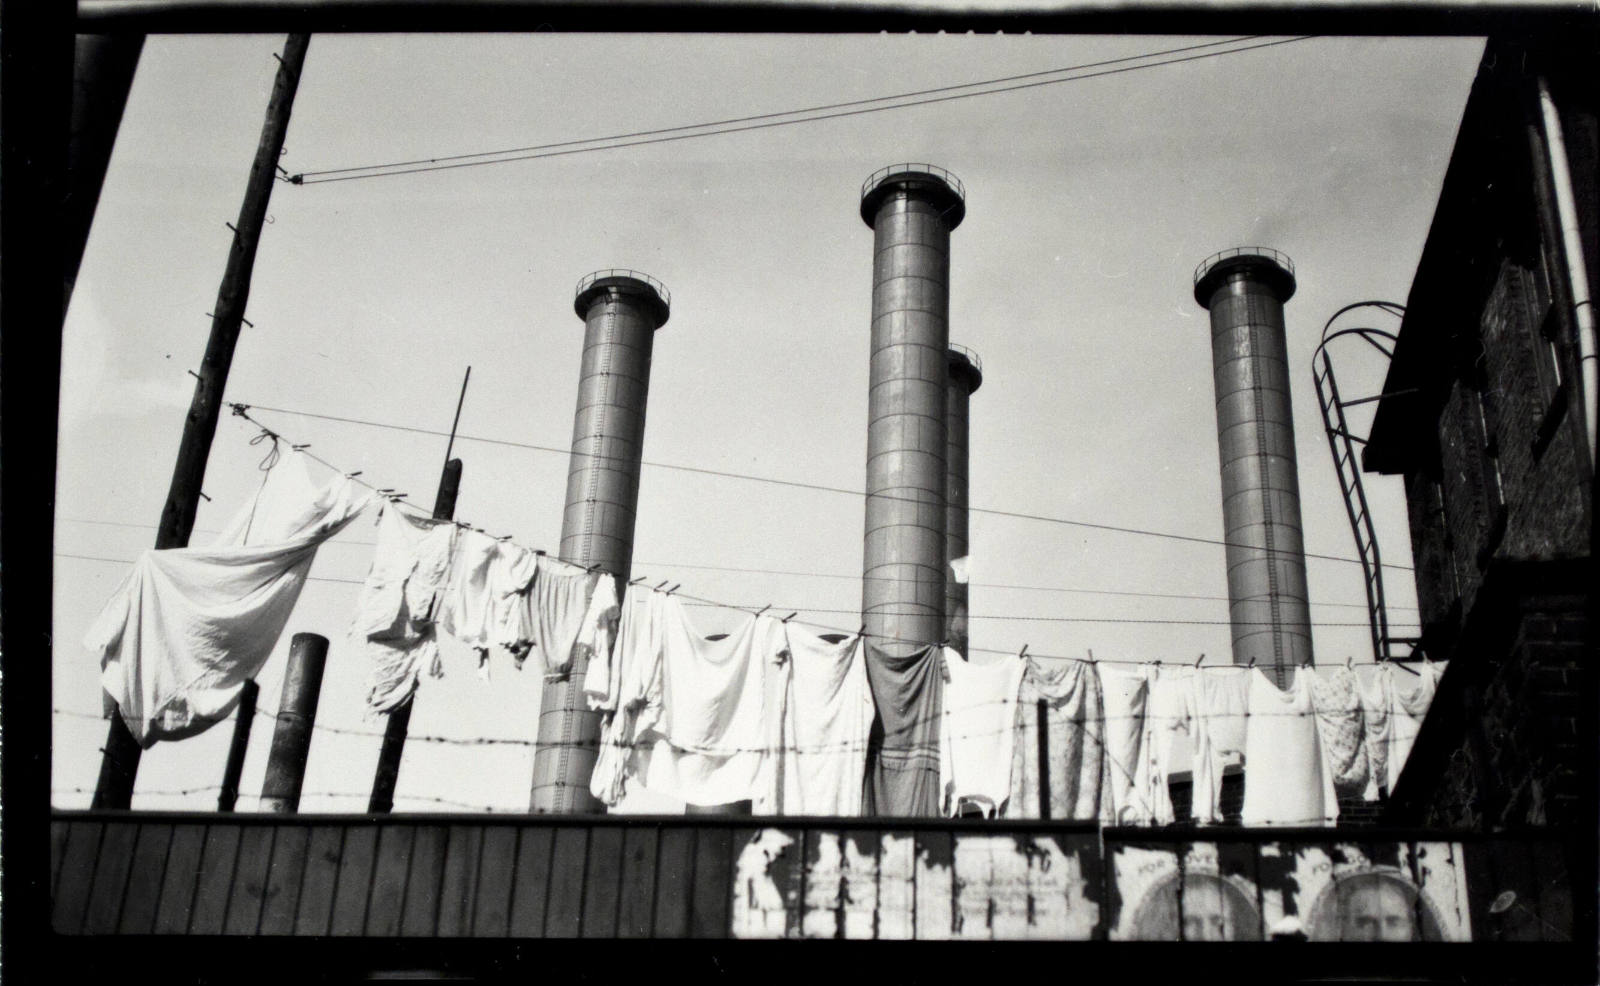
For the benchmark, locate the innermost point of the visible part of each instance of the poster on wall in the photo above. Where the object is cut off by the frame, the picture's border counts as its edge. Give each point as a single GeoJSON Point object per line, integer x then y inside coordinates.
{"type": "Point", "coordinates": [1071, 887]}
{"type": "Point", "coordinates": [1203, 891]}
{"type": "Point", "coordinates": [1377, 891]}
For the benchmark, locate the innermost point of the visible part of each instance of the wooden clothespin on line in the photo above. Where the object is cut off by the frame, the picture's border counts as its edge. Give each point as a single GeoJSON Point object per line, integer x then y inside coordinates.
{"type": "Point", "coordinates": [1197, 660]}
{"type": "Point", "coordinates": [1023, 653]}
{"type": "Point", "coordinates": [791, 616]}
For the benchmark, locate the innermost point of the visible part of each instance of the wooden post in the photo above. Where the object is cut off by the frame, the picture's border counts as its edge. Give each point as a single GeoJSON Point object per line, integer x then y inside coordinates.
{"type": "Point", "coordinates": [387, 774]}
{"type": "Point", "coordinates": [1044, 758]}
{"type": "Point", "coordinates": [297, 713]}
{"type": "Point", "coordinates": [120, 763]}
{"type": "Point", "coordinates": [242, 722]}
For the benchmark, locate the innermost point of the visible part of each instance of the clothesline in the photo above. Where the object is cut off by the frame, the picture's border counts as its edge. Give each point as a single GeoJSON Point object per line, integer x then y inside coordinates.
{"type": "Point", "coordinates": [266, 713]}
{"type": "Point", "coordinates": [242, 411]}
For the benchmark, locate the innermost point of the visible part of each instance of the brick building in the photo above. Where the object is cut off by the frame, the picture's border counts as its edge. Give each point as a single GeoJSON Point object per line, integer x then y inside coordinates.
{"type": "Point", "coordinates": [1484, 415]}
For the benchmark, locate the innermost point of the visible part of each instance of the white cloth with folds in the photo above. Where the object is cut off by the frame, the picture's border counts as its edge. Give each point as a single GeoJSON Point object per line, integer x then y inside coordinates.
{"type": "Point", "coordinates": [189, 626]}
{"type": "Point", "coordinates": [768, 713]}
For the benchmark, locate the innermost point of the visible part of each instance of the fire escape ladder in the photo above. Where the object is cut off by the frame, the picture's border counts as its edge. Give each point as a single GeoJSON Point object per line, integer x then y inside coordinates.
{"type": "Point", "coordinates": [1347, 465]}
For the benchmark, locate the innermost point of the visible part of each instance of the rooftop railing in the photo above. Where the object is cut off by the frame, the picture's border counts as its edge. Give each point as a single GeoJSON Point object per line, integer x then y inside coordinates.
{"type": "Point", "coordinates": [1276, 256]}
{"type": "Point", "coordinates": [588, 280]}
{"type": "Point", "coordinates": [884, 174]}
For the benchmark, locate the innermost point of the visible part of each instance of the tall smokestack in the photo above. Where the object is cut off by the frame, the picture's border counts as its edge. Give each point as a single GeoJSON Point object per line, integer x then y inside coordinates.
{"type": "Point", "coordinates": [1244, 289]}
{"type": "Point", "coordinates": [965, 377]}
{"type": "Point", "coordinates": [621, 310]}
{"type": "Point", "coordinates": [911, 208]}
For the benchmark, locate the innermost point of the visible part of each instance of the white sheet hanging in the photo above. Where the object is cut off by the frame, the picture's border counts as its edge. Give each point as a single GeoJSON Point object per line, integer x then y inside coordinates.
{"type": "Point", "coordinates": [189, 626]}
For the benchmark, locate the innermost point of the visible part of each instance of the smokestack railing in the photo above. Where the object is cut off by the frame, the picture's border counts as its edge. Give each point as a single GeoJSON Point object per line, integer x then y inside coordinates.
{"type": "Point", "coordinates": [972, 357]}
{"type": "Point", "coordinates": [588, 280]}
{"type": "Point", "coordinates": [884, 174]}
{"type": "Point", "coordinates": [1278, 257]}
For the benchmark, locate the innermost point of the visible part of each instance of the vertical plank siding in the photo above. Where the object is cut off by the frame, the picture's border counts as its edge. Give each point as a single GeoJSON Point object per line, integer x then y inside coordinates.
{"type": "Point", "coordinates": [144, 880]}
{"type": "Point", "coordinates": [285, 877]}
{"type": "Point", "coordinates": [178, 882]}
{"type": "Point", "coordinates": [217, 863]}
{"type": "Point", "coordinates": [564, 904]}
{"type": "Point", "coordinates": [491, 916]}
{"type": "Point", "coordinates": [421, 877]}
{"type": "Point", "coordinates": [110, 880]}
{"type": "Point", "coordinates": [249, 881]}
{"type": "Point", "coordinates": [458, 885]}
{"type": "Point", "coordinates": [419, 917]}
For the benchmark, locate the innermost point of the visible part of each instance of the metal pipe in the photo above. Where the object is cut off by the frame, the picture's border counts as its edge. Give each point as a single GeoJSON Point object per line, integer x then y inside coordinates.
{"type": "Point", "coordinates": [1577, 267]}
{"type": "Point", "coordinates": [911, 209]}
{"type": "Point", "coordinates": [965, 377]}
{"type": "Point", "coordinates": [621, 310]}
{"type": "Point", "coordinates": [243, 720]}
{"type": "Point", "coordinates": [1244, 289]}
{"type": "Point", "coordinates": [297, 713]}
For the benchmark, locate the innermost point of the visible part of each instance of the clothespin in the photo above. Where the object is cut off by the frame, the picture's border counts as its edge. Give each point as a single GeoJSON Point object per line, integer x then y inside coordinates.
{"type": "Point", "coordinates": [591, 568]}
{"type": "Point", "coordinates": [634, 582]}
{"type": "Point", "coordinates": [397, 496]}
{"type": "Point", "coordinates": [675, 588]}
{"type": "Point", "coordinates": [239, 409]}
{"type": "Point", "coordinates": [791, 616]}
{"type": "Point", "coordinates": [1250, 665]}
{"type": "Point", "coordinates": [390, 489]}
{"type": "Point", "coordinates": [540, 551]}
{"type": "Point", "coordinates": [302, 445]}
{"type": "Point", "coordinates": [763, 609]}
{"type": "Point", "coordinates": [661, 583]}
{"type": "Point", "coordinates": [352, 475]}
{"type": "Point", "coordinates": [1197, 660]}
{"type": "Point", "coordinates": [506, 538]}
{"type": "Point", "coordinates": [1023, 652]}
{"type": "Point", "coordinates": [1350, 662]}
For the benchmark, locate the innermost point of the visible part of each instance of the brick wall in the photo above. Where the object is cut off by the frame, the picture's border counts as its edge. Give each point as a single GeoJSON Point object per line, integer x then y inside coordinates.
{"type": "Point", "coordinates": [1508, 740]}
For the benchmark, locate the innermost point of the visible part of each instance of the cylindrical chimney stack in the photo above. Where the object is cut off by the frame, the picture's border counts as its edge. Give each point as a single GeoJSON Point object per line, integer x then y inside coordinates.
{"type": "Point", "coordinates": [911, 208]}
{"type": "Point", "coordinates": [621, 310]}
{"type": "Point", "coordinates": [965, 377]}
{"type": "Point", "coordinates": [1245, 289]}
{"type": "Point", "coordinates": [297, 715]}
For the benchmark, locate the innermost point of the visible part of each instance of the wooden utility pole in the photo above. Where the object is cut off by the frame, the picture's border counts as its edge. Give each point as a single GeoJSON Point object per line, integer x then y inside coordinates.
{"type": "Point", "coordinates": [120, 763]}
{"type": "Point", "coordinates": [398, 727]}
{"type": "Point", "coordinates": [243, 719]}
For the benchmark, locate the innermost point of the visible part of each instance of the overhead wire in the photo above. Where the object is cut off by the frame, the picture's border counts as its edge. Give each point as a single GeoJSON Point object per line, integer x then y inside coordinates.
{"type": "Point", "coordinates": [821, 609]}
{"type": "Point", "coordinates": [798, 484]}
{"type": "Point", "coordinates": [848, 576]}
{"type": "Point", "coordinates": [762, 121]}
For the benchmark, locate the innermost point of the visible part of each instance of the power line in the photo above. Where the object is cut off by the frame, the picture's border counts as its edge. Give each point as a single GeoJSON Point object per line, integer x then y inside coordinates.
{"type": "Point", "coordinates": [827, 111]}
{"type": "Point", "coordinates": [822, 609]}
{"type": "Point", "coordinates": [240, 410]}
{"type": "Point", "coordinates": [797, 484]}
{"type": "Point", "coordinates": [846, 576]}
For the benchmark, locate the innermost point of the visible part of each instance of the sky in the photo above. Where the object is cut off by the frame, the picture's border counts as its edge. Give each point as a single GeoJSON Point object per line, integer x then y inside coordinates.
{"type": "Point", "coordinates": [1089, 203]}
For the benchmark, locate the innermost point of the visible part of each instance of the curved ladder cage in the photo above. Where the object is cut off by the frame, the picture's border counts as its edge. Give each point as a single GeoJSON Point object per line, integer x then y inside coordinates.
{"type": "Point", "coordinates": [1342, 445]}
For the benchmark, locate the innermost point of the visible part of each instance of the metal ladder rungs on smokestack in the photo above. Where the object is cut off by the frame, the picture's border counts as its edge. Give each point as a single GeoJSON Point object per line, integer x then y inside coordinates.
{"type": "Point", "coordinates": [1342, 444]}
